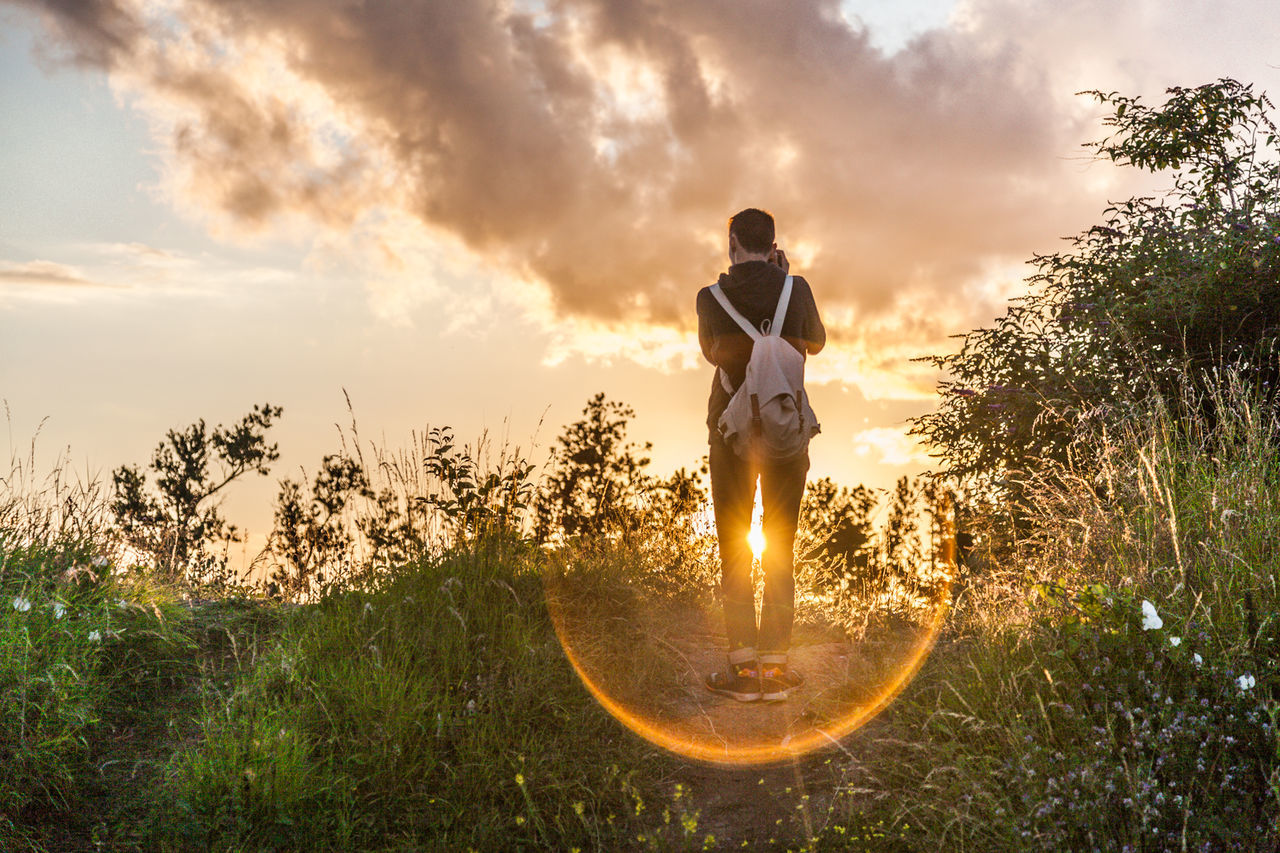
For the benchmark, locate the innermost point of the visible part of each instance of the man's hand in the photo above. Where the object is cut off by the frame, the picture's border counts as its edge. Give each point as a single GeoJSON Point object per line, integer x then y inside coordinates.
{"type": "Point", "coordinates": [779, 257]}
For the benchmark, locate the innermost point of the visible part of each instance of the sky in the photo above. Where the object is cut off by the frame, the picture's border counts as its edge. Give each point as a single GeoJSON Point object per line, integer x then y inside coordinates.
{"type": "Point", "coordinates": [480, 214]}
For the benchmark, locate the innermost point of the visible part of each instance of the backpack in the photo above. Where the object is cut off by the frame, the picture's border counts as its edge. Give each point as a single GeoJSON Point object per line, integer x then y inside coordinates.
{"type": "Point", "coordinates": [769, 413]}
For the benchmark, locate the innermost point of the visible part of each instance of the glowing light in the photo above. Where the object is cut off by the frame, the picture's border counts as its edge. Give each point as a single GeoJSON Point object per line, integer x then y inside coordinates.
{"type": "Point", "coordinates": [779, 738]}
{"type": "Point", "coordinates": [762, 751]}
{"type": "Point", "coordinates": [755, 537]}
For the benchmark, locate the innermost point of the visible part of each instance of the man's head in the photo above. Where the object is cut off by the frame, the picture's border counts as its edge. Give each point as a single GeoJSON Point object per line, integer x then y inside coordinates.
{"type": "Point", "coordinates": [751, 233]}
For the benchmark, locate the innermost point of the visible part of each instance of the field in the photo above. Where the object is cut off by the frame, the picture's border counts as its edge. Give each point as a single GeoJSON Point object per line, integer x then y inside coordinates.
{"type": "Point", "coordinates": [1104, 681]}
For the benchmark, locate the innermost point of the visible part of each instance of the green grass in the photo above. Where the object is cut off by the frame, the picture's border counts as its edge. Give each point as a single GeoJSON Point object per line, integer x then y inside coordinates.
{"type": "Point", "coordinates": [86, 660]}
{"type": "Point", "coordinates": [434, 711]}
{"type": "Point", "coordinates": [1057, 716]}
{"type": "Point", "coordinates": [433, 708]}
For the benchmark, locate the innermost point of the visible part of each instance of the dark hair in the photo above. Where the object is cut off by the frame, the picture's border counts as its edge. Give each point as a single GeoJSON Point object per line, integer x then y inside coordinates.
{"type": "Point", "coordinates": [753, 228]}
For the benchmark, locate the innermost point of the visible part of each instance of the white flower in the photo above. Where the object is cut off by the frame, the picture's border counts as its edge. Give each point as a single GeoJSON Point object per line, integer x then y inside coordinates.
{"type": "Point", "coordinates": [1246, 682]}
{"type": "Point", "coordinates": [1175, 641]}
{"type": "Point", "coordinates": [95, 636]}
{"type": "Point", "coordinates": [59, 610]}
{"type": "Point", "coordinates": [1151, 620]}
{"type": "Point", "coordinates": [22, 605]}
{"type": "Point", "coordinates": [1198, 660]}
{"type": "Point", "coordinates": [99, 562]}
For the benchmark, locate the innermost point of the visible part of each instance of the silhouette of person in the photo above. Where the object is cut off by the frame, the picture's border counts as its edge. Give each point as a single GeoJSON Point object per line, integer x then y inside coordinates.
{"type": "Point", "coordinates": [757, 659]}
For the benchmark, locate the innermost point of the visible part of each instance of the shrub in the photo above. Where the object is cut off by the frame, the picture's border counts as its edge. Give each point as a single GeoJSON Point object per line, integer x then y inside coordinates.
{"type": "Point", "coordinates": [1163, 291]}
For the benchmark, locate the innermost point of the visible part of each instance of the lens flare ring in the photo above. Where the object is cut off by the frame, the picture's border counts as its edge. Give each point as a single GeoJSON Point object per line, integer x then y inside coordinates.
{"type": "Point", "coordinates": [790, 746]}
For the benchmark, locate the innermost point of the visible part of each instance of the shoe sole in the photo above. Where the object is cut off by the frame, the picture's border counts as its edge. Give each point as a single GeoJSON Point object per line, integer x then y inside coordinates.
{"type": "Point", "coordinates": [780, 694]}
{"type": "Point", "coordinates": [741, 697]}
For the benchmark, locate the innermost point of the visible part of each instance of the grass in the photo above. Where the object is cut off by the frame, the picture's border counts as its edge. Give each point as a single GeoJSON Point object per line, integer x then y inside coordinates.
{"type": "Point", "coordinates": [97, 678]}
{"type": "Point", "coordinates": [433, 708]}
{"type": "Point", "coordinates": [1060, 714]}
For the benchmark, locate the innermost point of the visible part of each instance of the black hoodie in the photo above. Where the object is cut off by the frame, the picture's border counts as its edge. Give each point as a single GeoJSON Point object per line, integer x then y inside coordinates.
{"type": "Point", "coordinates": [753, 288]}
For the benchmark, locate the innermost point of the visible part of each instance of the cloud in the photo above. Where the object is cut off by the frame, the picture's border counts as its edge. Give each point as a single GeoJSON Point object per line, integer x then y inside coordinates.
{"type": "Point", "coordinates": [890, 447]}
{"type": "Point", "coordinates": [594, 148]}
{"type": "Point", "coordinates": [94, 33]}
{"type": "Point", "coordinates": [45, 274]}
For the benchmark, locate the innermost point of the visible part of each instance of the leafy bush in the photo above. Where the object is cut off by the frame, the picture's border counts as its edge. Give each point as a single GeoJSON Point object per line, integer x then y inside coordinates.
{"type": "Point", "coordinates": [596, 479]}
{"type": "Point", "coordinates": [1117, 688]}
{"type": "Point", "coordinates": [176, 525]}
{"type": "Point", "coordinates": [1164, 289]}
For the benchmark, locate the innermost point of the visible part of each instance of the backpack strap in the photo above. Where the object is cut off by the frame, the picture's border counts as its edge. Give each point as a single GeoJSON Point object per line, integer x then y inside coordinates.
{"type": "Point", "coordinates": [719, 294]}
{"type": "Point", "coordinates": [734, 313]}
{"type": "Point", "coordinates": [780, 314]}
{"type": "Point", "coordinates": [774, 327]}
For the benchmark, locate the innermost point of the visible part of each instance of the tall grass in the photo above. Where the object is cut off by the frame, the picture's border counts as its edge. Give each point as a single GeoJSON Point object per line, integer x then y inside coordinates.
{"type": "Point", "coordinates": [435, 711]}
{"type": "Point", "coordinates": [1116, 689]}
{"type": "Point", "coordinates": [85, 649]}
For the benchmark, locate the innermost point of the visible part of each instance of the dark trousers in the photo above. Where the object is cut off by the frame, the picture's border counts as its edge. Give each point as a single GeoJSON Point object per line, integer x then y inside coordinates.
{"type": "Point", "coordinates": [733, 491]}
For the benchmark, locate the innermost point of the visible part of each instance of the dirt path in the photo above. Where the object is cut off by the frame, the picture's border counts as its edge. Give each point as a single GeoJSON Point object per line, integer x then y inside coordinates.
{"type": "Point", "coordinates": [844, 683]}
{"type": "Point", "coordinates": [719, 723]}
{"type": "Point", "coordinates": [767, 774]}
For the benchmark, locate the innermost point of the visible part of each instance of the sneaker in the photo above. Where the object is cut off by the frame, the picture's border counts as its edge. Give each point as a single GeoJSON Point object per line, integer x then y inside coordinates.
{"type": "Point", "coordinates": [777, 682]}
{"type": "Point", "coordinates": [737, 682]}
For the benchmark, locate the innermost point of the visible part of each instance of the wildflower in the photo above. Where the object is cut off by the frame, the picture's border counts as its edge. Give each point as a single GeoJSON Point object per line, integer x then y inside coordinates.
{"type": "Point", "coordinates": [520, 779]}
{"type": "Point", "coordinates": [22, 605]}
{"type": "Point", "coordinates": [1197, 659]}
{"type": "Point", "coordinates": [1175, 641]}
{"type": "Point", "coordinates": [95, 636]}
{"type": "Point", "coordinates": [1246, 681]}
{"type": "Point", "coordinates": [59, 610]}
{"type": "Point", "coordinates": [1150, 619]}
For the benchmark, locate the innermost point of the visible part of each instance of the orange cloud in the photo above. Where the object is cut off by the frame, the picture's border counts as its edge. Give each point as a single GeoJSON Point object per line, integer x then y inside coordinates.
{"type": "Point", "coordinates": [589, 145]}
{"type": "Point", "coordinates": [45, 274]}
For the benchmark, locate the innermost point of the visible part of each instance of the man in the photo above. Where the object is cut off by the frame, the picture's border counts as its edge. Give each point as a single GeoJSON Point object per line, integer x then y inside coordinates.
{"type": "Point", "coordinates": [757, 666]}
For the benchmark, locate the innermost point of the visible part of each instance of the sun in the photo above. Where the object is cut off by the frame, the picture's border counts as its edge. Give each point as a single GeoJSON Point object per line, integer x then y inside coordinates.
{"type": "Point", "coordinates": [755, 537]}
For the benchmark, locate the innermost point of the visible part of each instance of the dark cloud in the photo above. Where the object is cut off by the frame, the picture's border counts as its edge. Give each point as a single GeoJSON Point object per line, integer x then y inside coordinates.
{"type": "Point", "coordinates": [96, 32]}
{"type": "Point", "coordinates": [903, 174]}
